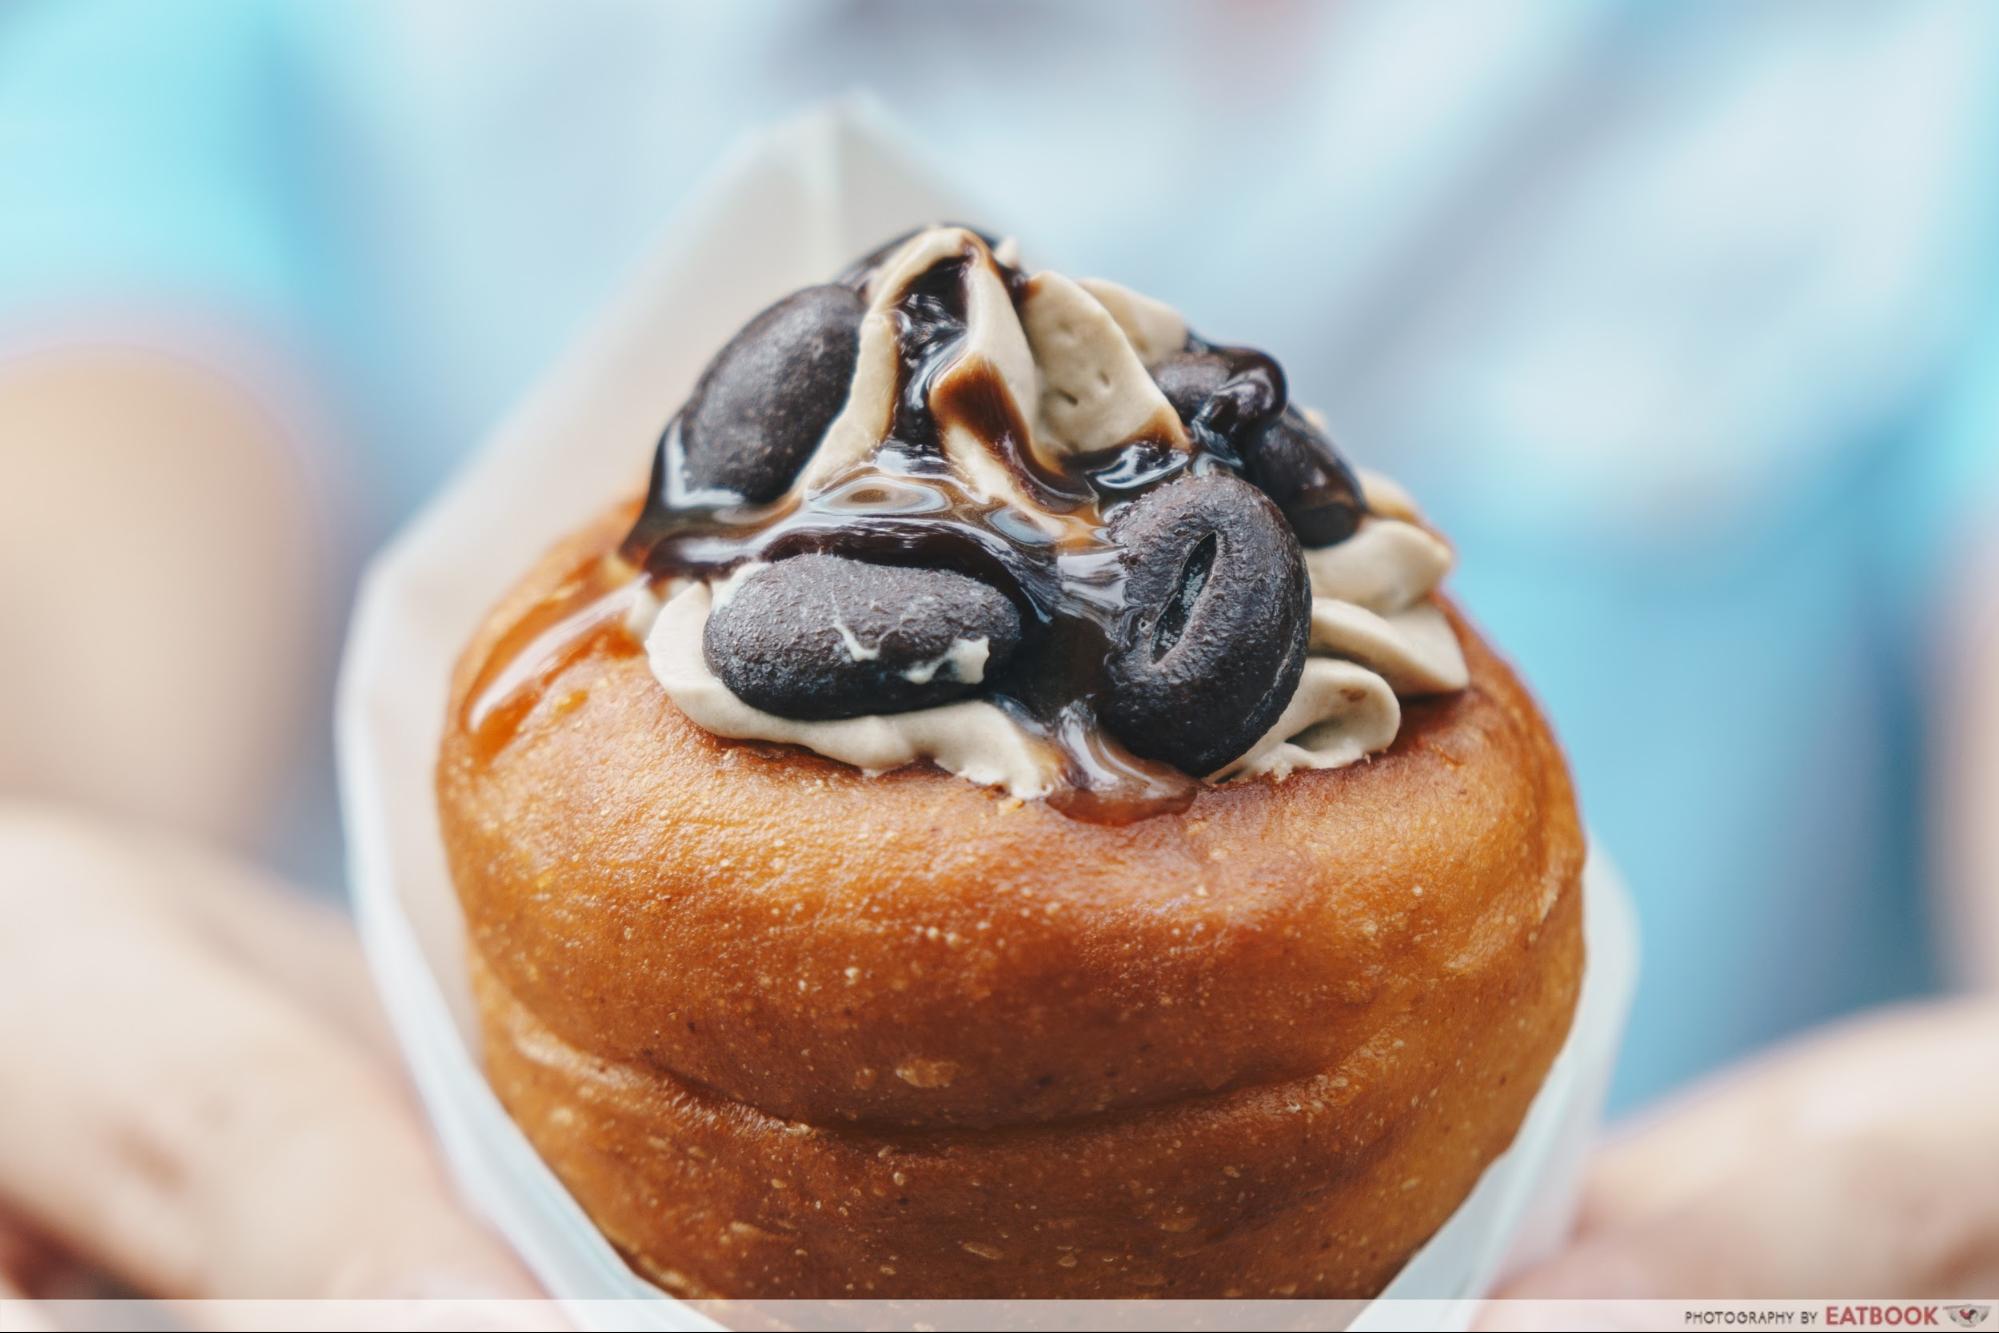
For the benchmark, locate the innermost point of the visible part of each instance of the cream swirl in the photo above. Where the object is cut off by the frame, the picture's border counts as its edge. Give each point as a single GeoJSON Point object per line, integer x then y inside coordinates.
{"type": "Point", "coordinates": [1071, 361]}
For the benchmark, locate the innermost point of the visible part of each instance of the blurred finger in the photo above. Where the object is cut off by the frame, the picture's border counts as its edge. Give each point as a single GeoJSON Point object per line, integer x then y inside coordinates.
{"type": "Point", "coordinates": [1826, 1089]}
{"type": "Point", "coordinates": [29, 1264]}
{"type": "Point", "coordinates": [271, 928]}
{"type": "Point", "coordinates": [183, 462]}
{"type": "Point", "coordinates": [1886, 1218]}
{"type": "Point", "coordinates": [268, 927]}
{"type": "Point", "coordinates": [1842, 1166]}
{"type": "Point", "coordinates": [192, 1128]}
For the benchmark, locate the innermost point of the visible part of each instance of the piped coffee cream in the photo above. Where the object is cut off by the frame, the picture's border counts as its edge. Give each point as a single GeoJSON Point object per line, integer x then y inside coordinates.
{"type": "Point", "coordinates": [976, 740]}
{"type": "Point", "coordinates": [1032, 530]}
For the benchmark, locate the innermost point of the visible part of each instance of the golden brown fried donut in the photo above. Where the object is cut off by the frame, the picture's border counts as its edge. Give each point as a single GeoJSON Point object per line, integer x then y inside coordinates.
{"type": "Point", "coordinates": [786, 1030]}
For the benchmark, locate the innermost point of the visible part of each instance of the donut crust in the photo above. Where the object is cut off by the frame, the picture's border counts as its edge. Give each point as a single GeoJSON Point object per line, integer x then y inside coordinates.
{"type": "Point", "coordinates": [789, 1031]}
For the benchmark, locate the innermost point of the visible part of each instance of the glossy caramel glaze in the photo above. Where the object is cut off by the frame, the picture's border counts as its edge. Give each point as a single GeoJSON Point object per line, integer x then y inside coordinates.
{"type": "Point", "coordinates": [788, 1030]}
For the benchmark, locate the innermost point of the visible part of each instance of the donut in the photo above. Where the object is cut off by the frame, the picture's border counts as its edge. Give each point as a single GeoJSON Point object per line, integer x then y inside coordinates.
{"type": "Point", "coordinates": [1209, 945]}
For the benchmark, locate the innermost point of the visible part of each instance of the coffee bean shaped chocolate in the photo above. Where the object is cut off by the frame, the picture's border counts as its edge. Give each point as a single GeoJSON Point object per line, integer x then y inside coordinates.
{"type": "Point", "coordinates": [1218, 610]}
{"type": "Point", "coordinates": [764, 402]}
{"type": "Point", "coordinates": [1281, 452]}
{"type": "Point", "coordinates": [1189, 379]}
{"type": "Point", "coordinates": [1293, 463]}
{"type": "Point", "coordinates": [1229, 392]}
{"type": "Point", "coordinates": [822, 636]}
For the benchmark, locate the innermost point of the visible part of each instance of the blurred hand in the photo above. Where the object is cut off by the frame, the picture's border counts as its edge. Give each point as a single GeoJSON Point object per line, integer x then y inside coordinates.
{"type": "Point", "coordinates": [164, 564]}
{"type": "Point", "coordinates": [199, 1096]}
{"type": "Point", "coordinates": [1858, 1162]}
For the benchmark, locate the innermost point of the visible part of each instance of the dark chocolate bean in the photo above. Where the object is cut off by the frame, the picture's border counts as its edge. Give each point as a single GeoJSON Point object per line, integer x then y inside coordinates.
{"type": "Point", "coordinates": [1218, 610]}
{"type": "Point", "coordinates": [766, 399]}
{"type": "Point", "coordinates": [1297, 466]}
{"type": "Point", "coordinates": [1189, 379]}
{"type": "Point", "coordinates": [822, 636]}
{"type": "Point", "coordinates": [1228, 393]}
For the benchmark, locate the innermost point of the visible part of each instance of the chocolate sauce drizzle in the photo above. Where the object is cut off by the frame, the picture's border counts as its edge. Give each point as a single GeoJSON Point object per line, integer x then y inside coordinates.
{"type": "Point", "coordinates": [906, 504]}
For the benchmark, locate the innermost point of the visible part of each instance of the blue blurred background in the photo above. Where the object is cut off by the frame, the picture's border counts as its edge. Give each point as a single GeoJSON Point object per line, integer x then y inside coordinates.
{"type": "Point", "coordinates": [1682, 320]}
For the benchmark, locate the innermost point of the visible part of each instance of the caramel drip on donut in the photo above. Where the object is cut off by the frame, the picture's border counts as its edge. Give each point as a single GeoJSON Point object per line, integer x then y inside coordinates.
{"type": "Point", "coordinates": [584, 614]}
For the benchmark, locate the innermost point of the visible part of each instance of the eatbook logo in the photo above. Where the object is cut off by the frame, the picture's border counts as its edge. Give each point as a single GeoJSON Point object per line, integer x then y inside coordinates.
{"type": "Point", "coordinates": [1968, 1316]}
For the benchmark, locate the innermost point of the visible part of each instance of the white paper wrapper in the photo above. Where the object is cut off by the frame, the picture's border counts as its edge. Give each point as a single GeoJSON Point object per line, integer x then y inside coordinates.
{"type": "Point", "coordinates": [790, 207]}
